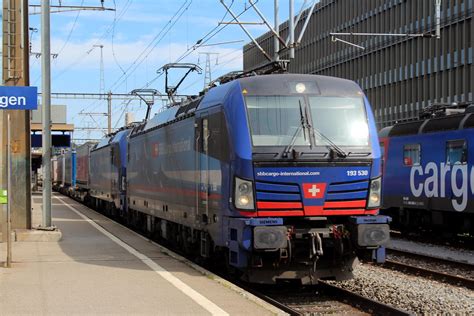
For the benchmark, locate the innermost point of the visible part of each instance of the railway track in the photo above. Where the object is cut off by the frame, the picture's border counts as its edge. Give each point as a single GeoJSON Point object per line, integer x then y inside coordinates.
{"type": "Point", "coordinates": [323, 299]}
{"type": "Point", "coordinates": [366, 304]}
{"type": "Point", "coordinates": [447, 261]}
{"type": "Point", "coordinates": [435, 274]}
{"type": "Point", "coordinates": [265, 297]}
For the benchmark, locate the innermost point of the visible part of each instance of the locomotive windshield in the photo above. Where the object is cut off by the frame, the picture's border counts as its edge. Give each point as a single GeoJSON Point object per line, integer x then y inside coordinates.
{"type": "Point", "coordinates": [342, 120]}
{"type": "Point", "coordinates": [277, 120]}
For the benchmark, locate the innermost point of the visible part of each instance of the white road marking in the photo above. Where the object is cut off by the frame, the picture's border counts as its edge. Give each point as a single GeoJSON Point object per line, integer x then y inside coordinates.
{"type": "Point", "coordinates": [180, 285]}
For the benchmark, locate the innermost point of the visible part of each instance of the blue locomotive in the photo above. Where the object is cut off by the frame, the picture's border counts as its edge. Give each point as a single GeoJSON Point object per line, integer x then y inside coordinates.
{"type": "Point", "coordinates": [428, 178]}
{"type": "Point", "coordinates": [107, 173]}
{"type": "Point", "coordinates": [278, 175]}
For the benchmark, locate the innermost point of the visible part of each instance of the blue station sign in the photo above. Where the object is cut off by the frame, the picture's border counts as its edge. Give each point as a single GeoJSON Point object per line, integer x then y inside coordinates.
{"type": "Point", "coordinates": [18, 98]}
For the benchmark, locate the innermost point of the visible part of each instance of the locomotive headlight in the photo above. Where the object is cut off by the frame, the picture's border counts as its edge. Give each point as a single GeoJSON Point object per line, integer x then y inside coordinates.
{"type": "Point", "coordinates": [374, 200]}
{"type": "Point", "coordinates": [244, 188]}
{"type": "Point", "coordinates": [243, 194]}
{"type": "Point", "coordinates": [375, 193]}
{"type": "Point", "coordinates": [244, 200]}
{"type": "Point", "coordinates": [375, 185]}
{"type": "Point", "coordinates": [300, 87]}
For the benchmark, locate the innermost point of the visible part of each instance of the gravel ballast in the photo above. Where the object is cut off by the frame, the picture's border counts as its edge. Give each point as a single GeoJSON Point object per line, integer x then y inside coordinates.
{"type": "Point", "coordinates": [411, 293]}
{"type": "Point", "coordinates": [436, 251]}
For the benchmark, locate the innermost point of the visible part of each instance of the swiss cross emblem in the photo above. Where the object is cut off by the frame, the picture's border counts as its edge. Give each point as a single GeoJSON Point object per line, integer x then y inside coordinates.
{"type": "Point", "coordinates": [314, 190]}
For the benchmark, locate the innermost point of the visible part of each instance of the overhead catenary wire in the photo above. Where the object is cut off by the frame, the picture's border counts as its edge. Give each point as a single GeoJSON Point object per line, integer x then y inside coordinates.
{"type": "Point", "coordinates": [68, 36]}
{"type": "Point", "coordinates": [212, 33]}
{"type": "Point", "coordinates": [81, 59]}
{"type": "Point", "coordinates": [209, 35]}
{"type": "Point", "coordinates": [153, 43]}
{"type": "Point", "coordinates": [113, 36]}
{"type": "Point", "coordinates": [163, 35]}
{"type": "Point", "coordinates": [107, 31]}
{"type": "Point", "coordinates": [198, 42]}
{"type": "Point", "coordinates": [70, 32]}
{"type": "Point", "coordinates": [150, 47]}
{"type": "Point", "coordinates": [55, 60]}
{"type": "Point", "coordinates": [128, 71]}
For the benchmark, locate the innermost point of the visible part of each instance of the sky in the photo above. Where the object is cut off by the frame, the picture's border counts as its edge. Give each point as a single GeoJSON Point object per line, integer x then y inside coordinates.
{"type": "Point", "coordinates": [138, 38]}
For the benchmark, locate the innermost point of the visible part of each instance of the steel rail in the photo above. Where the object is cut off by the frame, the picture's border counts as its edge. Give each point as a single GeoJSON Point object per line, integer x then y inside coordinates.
{"type": "Point", "coordinates": [435, 275]}
{"type": "Point", "coordinates": [415, 255]}
{"type": "Point", "coordinates": [265, 298]}
{"type": "Point", "coordinates": [361, 302]}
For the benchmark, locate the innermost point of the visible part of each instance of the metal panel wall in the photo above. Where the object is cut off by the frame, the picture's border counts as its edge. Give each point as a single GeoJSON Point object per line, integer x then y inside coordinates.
{"type": "Point", "coordinates": [58, 114]}
{"type": "Point", "coordinates": [399, 75]}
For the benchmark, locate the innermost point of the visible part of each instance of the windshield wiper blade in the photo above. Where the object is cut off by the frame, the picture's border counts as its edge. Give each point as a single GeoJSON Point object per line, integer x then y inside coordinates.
{"type": "Point", "coordinates": [302, 127]}
{"type": "Point", "coordinates": [340, 152]}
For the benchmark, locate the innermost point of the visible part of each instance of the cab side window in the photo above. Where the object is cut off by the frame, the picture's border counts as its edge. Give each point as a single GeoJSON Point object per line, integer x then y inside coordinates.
{"type": "Point", "coordinates": [411, 154]}
{"type": "Point", "coordinates": [213, 136]}
{"type": "Point", "coordinates": [456, 151]}
{"type": "Point", "coordinates": [218, 137]}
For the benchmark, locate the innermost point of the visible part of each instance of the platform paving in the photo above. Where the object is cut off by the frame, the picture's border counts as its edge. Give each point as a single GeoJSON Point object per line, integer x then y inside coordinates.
{"type": "Point", "coordinates": [101, 267]}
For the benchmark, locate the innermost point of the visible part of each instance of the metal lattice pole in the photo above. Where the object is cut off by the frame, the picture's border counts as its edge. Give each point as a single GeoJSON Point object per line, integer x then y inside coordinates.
{"type": "Point", "coordinates": [207, 68]}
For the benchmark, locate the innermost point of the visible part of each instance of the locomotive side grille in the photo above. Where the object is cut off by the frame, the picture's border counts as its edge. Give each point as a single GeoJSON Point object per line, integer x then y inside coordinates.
{"type": "Point", "coordinates": [347, 195]}
{"type": "Point", "coordinates": [277, 196]}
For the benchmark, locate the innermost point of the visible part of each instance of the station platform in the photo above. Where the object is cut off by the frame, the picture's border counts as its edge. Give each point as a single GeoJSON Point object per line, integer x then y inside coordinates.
{"type": "Point", "coordinates": [101, 267]}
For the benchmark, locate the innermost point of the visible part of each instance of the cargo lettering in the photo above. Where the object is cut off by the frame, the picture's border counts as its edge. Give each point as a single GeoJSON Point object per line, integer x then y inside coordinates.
{"type": "Point", "coordinates": [434, 185]}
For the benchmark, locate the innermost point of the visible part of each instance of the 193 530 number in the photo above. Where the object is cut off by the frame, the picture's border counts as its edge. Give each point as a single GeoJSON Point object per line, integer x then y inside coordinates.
{"type": "Point", "coordinates": [355, 173]}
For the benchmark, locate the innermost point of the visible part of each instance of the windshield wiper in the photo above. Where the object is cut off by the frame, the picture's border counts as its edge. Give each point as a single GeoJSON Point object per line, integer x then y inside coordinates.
{"type": "Point", "coordinates": [340, 152]}
{"type": "Point", "coordinates": [302, 127]}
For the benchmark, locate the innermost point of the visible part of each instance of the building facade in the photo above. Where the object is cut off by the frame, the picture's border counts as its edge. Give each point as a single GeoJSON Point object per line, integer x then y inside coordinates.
{"type": "Point", "coordinates": [400, 75]}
